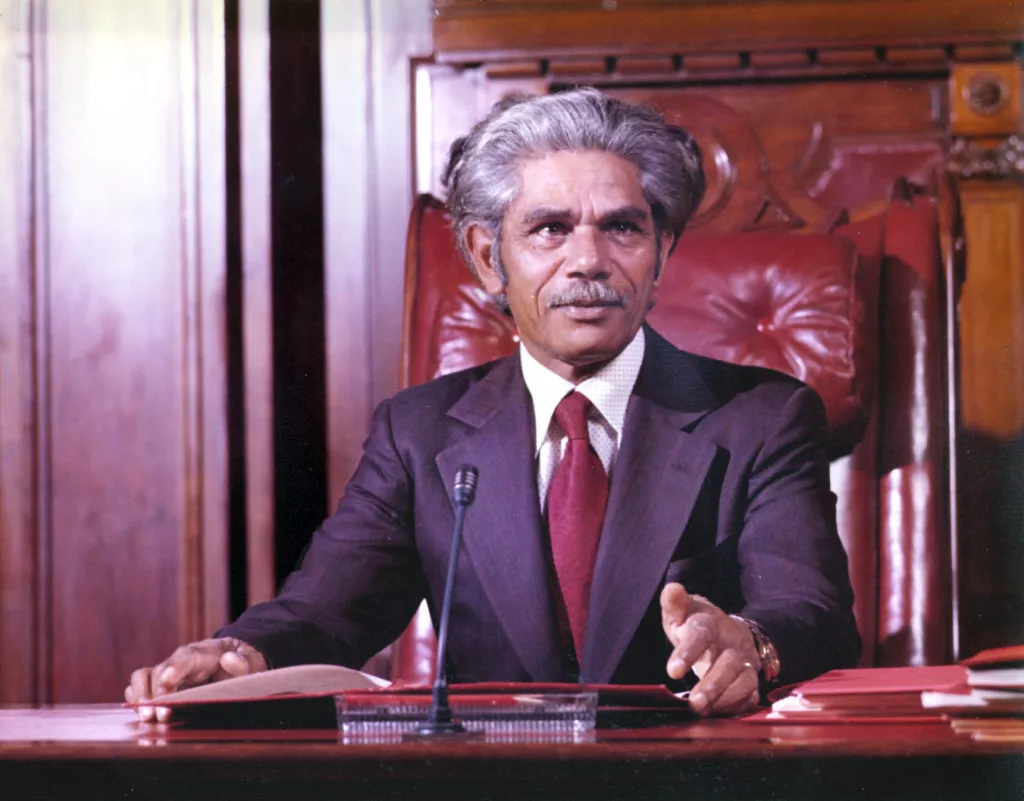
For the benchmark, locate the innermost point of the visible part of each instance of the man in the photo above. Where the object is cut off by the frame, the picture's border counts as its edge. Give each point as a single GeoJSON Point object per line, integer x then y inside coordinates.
{"type": "Point", "coordinates": [641, 511]}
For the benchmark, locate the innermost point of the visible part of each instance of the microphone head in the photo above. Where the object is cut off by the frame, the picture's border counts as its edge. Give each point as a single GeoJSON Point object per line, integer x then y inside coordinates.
{"type": "Point", "coordinates": [464, 489]}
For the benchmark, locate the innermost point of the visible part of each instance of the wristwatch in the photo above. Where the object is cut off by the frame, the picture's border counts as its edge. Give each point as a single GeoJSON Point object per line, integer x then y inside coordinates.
{"type": "Point", "coordinates": [768, 656]}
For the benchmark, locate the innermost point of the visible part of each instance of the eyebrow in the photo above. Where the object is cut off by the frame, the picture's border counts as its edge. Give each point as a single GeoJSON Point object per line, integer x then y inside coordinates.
{"type": "Point", "coordinates": [542, 213]}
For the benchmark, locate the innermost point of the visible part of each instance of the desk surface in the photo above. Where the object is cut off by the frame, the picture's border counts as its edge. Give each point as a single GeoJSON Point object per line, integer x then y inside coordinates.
{"type": "Point", "coordinates": [101, 751]}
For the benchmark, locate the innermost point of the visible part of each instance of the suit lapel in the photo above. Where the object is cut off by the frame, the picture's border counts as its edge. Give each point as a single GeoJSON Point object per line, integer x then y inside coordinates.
{"type": "Point", "coordinates": [657, 477]}
{"type": "Point", "coordinates": [503, 536]}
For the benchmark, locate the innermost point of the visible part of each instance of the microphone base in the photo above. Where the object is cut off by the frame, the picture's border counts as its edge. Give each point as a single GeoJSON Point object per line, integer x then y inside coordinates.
{"type": "Point", "coordinates": [448, 731]}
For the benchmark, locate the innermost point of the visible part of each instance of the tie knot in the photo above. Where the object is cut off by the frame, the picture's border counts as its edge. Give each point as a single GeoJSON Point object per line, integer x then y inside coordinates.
{"type": "Point", "coordinates": [571, 414]}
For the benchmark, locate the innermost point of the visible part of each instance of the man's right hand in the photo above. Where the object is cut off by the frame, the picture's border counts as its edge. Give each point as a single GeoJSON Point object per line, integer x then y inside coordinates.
{"type": "Point", "coordinates": [196, 663]}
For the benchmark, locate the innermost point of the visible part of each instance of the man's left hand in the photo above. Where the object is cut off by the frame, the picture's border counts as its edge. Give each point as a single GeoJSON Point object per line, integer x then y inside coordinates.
{"type": "Point", "coordinates": [718, 648]}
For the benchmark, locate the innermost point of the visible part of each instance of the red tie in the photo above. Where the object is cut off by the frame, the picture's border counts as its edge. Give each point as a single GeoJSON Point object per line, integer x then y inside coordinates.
{"type": "Point", "coordinates": [576, 503]}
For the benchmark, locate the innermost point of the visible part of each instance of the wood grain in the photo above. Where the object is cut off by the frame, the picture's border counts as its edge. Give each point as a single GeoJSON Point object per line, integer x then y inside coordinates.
{"type": "Point", "coordinates": [121, 498]}
{"type": "Point", "coordinates": [367, 54]}
{"type": "Point", "coordinates": [348, 256]}
{"type": "Point", "coordinates": [992, 308]}
{"type": "Point", "coordinates": [467, 32]}
{"type": "Point", "coordinates": [257, 325]}
{"type": "Point", "coordinates": [20, 626]}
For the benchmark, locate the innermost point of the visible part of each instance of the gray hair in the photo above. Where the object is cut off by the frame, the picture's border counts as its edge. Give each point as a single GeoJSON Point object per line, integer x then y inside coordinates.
{"type": "Point", "coordinates": [481, 175]}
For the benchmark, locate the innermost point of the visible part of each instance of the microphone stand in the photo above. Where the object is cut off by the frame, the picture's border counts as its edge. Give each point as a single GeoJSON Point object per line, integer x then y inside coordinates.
{"type": "Point", "coordinates": [440, 723]}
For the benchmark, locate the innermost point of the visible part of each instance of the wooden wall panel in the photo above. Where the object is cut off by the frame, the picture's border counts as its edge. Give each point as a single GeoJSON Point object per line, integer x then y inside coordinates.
{"type": "Point", "coordinates": [19, 512]}
{"type": "Point", "coordinates": [257, 301]}
{"type": "Point", "coordinates": [126, 273]}
{"type": "Point", "coordinates": [348, 220]}
{"type": "Point", "coordinates": [368, 47]}
{"type": "Point", "coordinates": [201, 93]}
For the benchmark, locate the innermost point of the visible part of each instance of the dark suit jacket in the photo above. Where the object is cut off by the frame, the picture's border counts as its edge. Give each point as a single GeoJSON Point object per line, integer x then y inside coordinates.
{"type": "Point", "coordinates": [721, 483]}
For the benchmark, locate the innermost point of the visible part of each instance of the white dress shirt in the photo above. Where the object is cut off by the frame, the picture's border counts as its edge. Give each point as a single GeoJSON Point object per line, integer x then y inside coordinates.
{"type": "Point", "coordinates": [608, 390]}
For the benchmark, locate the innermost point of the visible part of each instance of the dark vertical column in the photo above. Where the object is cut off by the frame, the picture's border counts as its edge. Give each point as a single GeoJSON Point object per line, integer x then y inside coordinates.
{"type": "Point", "coordinates": [233, 318]}
{"type": "Point", "coordinates": [298, 276]}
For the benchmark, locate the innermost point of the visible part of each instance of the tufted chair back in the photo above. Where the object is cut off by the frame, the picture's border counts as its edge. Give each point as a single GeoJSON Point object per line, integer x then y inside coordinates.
{"type": "Point", "coordinates": [855, 313]}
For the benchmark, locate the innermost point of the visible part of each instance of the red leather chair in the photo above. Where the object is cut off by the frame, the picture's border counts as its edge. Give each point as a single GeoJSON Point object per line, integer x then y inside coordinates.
{"type": "Point", "coordinates": [855, 313]}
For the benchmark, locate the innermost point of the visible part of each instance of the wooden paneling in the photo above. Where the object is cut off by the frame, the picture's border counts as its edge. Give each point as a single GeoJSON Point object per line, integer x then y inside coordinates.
{"type": "Point", "coordinates": [19, 511]}
{"type": "Point", "coordinates": [992, 308]}
{"type": "Point", "coordinates": [367, 49]}
{"type": "Point", "coordinates": [254, 179]}
{"type": "Point", "coordinates": [347, 234]}
{"type": "Point", "coordinates": [200, 37]}
{"type": "Point", "coordinates": [120, 343]}
{"type": "Point", "coordinates": [466, 32]}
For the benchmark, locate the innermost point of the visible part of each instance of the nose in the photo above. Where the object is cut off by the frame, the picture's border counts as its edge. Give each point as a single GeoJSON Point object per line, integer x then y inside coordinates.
{"type": "Point", "coordinates": [586, 257]}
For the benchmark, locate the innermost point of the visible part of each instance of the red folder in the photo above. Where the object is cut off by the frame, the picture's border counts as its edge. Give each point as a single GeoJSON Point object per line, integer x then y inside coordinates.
{"type": "Point", "coordinates": [1008, 656]}
{"type": "Point", "coordinates": [867, 683]}
{"type": "Point", "coordinates": [866, 694]}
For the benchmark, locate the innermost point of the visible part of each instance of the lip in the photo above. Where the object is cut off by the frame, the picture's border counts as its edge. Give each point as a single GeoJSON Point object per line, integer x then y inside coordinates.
{"type": "Point", "coordinates": [593, 311]}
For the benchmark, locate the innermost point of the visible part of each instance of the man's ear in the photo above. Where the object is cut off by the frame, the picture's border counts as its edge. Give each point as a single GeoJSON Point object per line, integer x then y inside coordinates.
{"type": "Point", "coordinates": [480, 244]}
{"type": "Point", "coordinates": [668, 241]}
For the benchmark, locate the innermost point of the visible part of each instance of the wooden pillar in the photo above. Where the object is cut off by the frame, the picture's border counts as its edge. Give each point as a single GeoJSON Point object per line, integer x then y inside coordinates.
{"type": "Point", "coordinates": [987, 157]}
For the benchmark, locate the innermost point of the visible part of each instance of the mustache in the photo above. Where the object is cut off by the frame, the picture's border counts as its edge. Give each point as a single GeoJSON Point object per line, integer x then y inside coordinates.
{"type": "Point", "coordinates": [593, 292]}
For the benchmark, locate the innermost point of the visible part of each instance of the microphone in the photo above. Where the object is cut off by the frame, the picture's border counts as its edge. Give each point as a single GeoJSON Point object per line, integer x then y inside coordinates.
{"type": "Point", "coordinates": [440, 722]}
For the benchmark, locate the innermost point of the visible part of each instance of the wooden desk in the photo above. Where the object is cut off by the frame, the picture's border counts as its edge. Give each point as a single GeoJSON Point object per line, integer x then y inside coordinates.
{"type": "Point", "coordinates": [102, 752]}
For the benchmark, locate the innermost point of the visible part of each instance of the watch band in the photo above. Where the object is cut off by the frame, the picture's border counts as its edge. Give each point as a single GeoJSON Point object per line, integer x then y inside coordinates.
{"type": "Point", "coordinates": [770, 665]}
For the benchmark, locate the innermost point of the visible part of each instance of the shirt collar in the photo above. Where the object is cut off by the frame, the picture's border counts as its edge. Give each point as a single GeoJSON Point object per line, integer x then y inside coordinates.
{"type": "Point", "coordinates": [608, 389]}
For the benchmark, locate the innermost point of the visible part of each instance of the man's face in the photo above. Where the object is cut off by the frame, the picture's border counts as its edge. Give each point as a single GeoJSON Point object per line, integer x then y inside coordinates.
{"type": "Point", "coordinates": [579, 250]}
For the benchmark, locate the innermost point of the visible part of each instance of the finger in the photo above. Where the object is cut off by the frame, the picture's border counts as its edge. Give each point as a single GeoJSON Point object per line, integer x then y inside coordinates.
{"type": "Point", "coordinates": [234, 663]}
{"type": "Point", "coordinates": [748, 704]}
{"type": "Point", "coordinates": [137, 691]}
{"type": "Point", "coordinates": [144, 713]}
{"type": "Point", "coordinates": [728, 682]}
{"type": "Point", "coordinates": [242, 660]}
{"type": "Point", "coordinates": [189, 665]}
{"type": "Point", "coordinates": [674, 602]}
{"type": "Point", "coordinates": [139, 687]}
{"type": "Point", "coordinates": [693, 639]}
{"type": "Point", "coordinates": [257, 662]}
{"type": "Point", "coordinates": [737, 697]}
